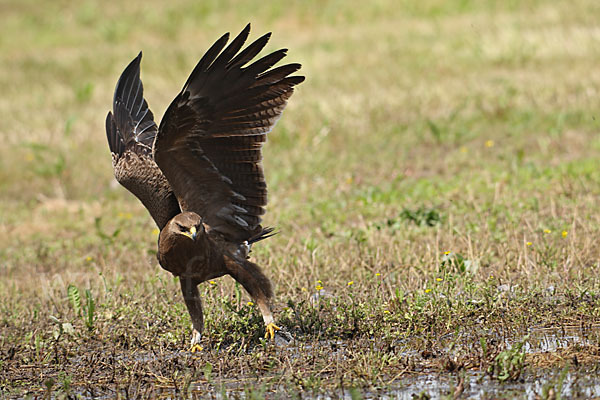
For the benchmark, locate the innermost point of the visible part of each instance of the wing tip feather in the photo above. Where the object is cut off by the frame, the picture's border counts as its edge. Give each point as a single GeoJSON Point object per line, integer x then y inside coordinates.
{"type": "Point", "coordinates": [115, 142]}
{"type": "Point", "coordinates": [132, 69]}
{"type": "Point", "coordinates": [224, 70]}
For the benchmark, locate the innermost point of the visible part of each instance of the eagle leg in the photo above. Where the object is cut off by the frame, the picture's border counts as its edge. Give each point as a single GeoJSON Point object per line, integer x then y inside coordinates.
{"type": "Point", "coordinates": [191, 296]}
{"type": "Point", "coordinates": [258, 286]}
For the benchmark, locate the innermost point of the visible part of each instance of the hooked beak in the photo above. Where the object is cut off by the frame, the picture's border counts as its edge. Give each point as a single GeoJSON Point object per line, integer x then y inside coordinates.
{"type": "Point", "coordinates": [192, 234]}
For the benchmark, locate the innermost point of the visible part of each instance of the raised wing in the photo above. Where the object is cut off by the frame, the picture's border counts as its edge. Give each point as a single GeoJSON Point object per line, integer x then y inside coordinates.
{"type": "Point", "coordinates": [130, 132]}
{"type": "Point", "coordinates": [210, 139]}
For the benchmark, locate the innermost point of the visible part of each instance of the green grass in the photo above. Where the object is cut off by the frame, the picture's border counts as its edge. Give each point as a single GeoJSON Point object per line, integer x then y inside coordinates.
{"type": "Point", "coordinates": [462, 127]}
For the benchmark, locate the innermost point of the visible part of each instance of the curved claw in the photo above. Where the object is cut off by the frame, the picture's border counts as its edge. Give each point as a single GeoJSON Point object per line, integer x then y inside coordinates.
{"type": "Point", "coordinates": [270, 330]}
{"type": "Point", "coordinates": [196, 347]}
{"type": "Point", "coordinates": [195, 344]}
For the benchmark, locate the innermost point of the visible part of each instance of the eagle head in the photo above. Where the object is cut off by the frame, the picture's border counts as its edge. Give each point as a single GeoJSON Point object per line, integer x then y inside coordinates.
{"type": "Point", "coordinates": [187, 224]}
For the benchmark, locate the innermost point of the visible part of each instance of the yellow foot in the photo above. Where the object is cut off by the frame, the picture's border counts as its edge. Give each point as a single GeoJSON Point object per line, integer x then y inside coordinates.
{"type": "Point", "coordinates": [271, 328]}
{"type": "Point", "coordinates": [196, 347]}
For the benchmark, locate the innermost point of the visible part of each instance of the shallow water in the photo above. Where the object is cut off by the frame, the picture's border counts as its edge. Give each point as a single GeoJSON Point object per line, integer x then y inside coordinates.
{"type": "Point", "coordinates": [479, 386]}
{"type": "Point", "coordinates": [552, 339]}
{"type": "Point", "coordinates": [576, 383]}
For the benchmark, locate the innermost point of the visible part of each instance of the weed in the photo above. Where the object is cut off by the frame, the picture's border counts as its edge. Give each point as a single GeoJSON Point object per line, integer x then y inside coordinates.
{"type": "Point", "coordinates": [355, 394]}
{"type": "Point", "coordinates": [554, 389]}
{"type": "Point", "coordinates": [456, 263]}
{"type": "Point", "coordinates": [74, 298]}
{"type": "Point", "coordinates": [422, 216]}
{"type": "Point", "coordinates": [108, 238]}
{"type": "Point", "coordinates": [508, 364]}
{"type": "Point", "coordinates": [89, 309]}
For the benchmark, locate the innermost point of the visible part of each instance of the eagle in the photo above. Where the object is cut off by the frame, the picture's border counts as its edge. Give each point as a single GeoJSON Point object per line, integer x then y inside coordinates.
{"type": "Point", "coordinates": [199, 173]}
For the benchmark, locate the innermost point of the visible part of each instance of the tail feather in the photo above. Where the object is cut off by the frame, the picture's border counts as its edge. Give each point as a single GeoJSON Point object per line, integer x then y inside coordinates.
{"type": "Point", "coordinates": [264, 234]}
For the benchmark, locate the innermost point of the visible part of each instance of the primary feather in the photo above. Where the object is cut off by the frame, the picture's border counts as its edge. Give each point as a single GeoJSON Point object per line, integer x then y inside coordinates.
{"type": "Point", "coordinates": [131, 131]}
{"type": "Point", "coordinates": [209, 144]}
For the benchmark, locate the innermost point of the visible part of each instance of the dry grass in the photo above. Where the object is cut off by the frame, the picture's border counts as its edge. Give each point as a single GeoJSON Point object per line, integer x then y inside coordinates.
{"type": "Point", "coordinates": [482, 116]}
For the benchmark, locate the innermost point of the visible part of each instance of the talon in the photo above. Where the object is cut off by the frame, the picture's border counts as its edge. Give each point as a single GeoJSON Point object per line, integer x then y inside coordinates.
{"type": "Point", "coordinates": [270, 330]}
{"type": "Point", "coordinates": [196, 347]}
{"type": "Point", "coordinates": [195, 344]}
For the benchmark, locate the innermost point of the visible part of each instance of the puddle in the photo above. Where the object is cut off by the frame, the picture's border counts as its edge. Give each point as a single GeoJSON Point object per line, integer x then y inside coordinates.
{"type": "Point", "coordinates": [478, 386]}
{"type": "Point", "coordinates": [537, 339]}
{"type": "Point", "coordinates": [543, 340]}
{"type": "Point", "coordinates": [139, 356]}
{"type": "Point", "coordinates": [432, 386]}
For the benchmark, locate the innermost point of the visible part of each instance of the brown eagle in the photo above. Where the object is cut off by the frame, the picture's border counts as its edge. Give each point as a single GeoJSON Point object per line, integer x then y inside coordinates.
{"type": "Point", "coordinates": [199, 173]}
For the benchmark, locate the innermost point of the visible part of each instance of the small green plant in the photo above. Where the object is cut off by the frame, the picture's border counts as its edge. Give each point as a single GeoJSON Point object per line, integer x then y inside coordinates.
{"type": "Point", "coordinates": [508, 364]}
{"type": "Point", "coordinates": [187, 386]}
{"type": "Point", "coordinates": [61, 327]}
{"type": "Point", "coordinates": [456, 263]}
{"type": "Point", "coordinates": [421, 396]}
{"type": "Point", "coordinates": [422, 216]}
{"type": "Point", "coordinates": [49, 383]}
{"type": "Point", "coordinates": [65, 383]}
{"type": "Point", "coordinates": [553, 390]}
{"type": "Point", "coordinates": [207, 370]}
{"type": "Point", "coordinates": [484, 347]}
{"type": "Point", "coordinates": [355, 394]}
{"type": "Point", "coordinates": [242, 325]}
{"type": "Point", "coordinates": [69, 125]}
{"type": "Point", "coordinates": [89, 308]}
{"type": "Point", "coordinates": [435, 130]}
{"type": "Point", "coordinates": [255, 392]}
{"type": "Point", "coordinates": [39, 345]}
{"type": "Point", "coordinates": [74, 299]}
{"type": "Point", "coordinates": [107, 238]}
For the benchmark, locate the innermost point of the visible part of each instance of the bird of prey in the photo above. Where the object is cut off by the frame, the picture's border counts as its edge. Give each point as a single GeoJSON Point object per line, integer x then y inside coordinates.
{"type": "Point", "coordinates": [199, 173]}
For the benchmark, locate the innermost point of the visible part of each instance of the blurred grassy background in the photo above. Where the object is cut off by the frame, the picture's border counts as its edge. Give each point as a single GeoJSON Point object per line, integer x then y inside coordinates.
{"type": "Point", "coordinates": [400, 101]}
{"type": "Point", "coordinates": [480, 116]}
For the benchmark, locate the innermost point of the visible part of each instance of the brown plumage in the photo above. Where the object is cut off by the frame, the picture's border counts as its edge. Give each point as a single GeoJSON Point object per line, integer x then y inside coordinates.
{"type": "Point", "coordinates": [199, 174]}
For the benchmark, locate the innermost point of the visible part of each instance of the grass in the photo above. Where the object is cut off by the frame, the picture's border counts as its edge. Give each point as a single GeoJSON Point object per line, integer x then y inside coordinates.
{"type": "Point", "coordinates": [442, 156]}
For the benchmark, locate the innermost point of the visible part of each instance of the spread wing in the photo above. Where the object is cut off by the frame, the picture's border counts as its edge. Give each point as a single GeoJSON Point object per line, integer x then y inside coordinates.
{"type": "Point", "coordinates": [209, 145]}
{"type": "Point", "coordinates": [130, 130]}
